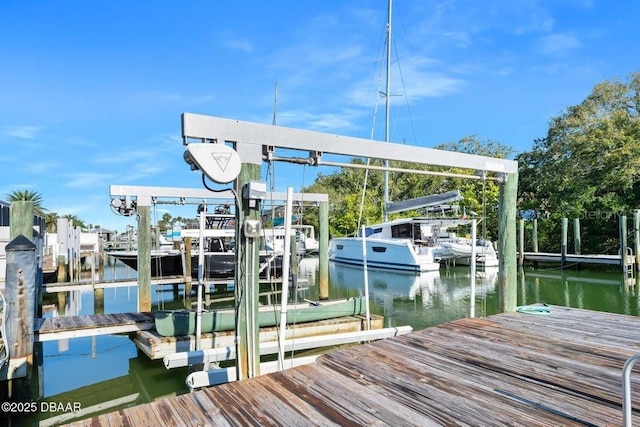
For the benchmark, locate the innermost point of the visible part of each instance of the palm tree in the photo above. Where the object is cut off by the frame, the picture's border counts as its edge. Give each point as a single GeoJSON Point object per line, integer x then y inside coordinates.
{"type": "Point", "coordinates": [52, 222]}
{"type": "Point", "coordinates": [28, 196]}
{"type": "Point", "coordinates": [75, 221]}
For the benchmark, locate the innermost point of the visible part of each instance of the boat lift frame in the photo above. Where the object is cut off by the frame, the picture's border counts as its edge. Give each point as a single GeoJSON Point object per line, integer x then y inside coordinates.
{"type": "Point", "coordinates": [255, 143]}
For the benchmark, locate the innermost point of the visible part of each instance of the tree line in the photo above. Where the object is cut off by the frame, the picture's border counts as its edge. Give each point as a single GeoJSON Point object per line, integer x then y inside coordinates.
{"type": "Point", "coordinates": [587, 166]}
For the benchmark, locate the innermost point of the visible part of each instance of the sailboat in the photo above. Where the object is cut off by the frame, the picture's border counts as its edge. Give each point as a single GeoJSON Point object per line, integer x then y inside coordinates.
{"type": "Point", "coordinates": [406, 244]}
{"type": "Point", "coordinates": [403, 244]}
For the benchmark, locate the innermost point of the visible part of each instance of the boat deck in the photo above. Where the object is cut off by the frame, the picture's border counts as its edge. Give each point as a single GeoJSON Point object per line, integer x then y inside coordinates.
{"type": "Point", "coordinates": [564, 368]}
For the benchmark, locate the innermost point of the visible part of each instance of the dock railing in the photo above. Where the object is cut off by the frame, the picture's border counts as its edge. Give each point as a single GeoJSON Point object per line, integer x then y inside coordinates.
{"type": "Point", "coordinates": [626, 389]}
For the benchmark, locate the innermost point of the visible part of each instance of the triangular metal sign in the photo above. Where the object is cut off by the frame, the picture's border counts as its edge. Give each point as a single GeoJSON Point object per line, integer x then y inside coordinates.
{"type": "Point", "coordinates": [222, 159]}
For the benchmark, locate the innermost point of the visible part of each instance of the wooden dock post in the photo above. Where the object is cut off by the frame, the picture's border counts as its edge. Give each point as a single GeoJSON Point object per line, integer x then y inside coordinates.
{"type": "Point", "coordinates": [534, 236]}
{"type": "Point", "coordinates": [61, 269]}
{"type": "Point", "coordinates": [98, 301]}
{"type": "Point", "coordinates": [521, 242]}
{"type": "Point", "coordinates": [507, 272]}
{"type": "Point", "coordinates": [563, 244]}
{"type": "Point", "coordinates": [636, 237]}
{"type": "Point", "coordinates": [623, 244]}
{"type": "Point", "coordinates": [21, 297]}
{"type": "Point", "coordinates": [144, 257]}
{"type": "Point", "coordinates": [247, 254]}
{"type": "Point", "coordinates": [293, 281]}
{"type": "Point", "coordinates": [576, 236]}
{"type": "Point", "coordinates": [323, 250]}
{"type": "Point", "coordinates": [21, 219]}
{"type": "Point", "coordinates": [187, 265]}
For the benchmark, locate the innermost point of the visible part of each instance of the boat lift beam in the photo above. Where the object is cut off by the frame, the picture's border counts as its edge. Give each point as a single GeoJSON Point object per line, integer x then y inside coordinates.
{"type": "Point", "coordinates": [145, 195]}
{"type": "Point", "coordinates": [210, 128]}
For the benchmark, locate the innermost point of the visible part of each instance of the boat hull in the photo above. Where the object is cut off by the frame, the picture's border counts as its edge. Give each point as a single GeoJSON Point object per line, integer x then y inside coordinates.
{"type": "Point", "coordinates": [217, 264]}
{"type": "Point", "coordinates": [171, 323]}
{"type": "Point", "coordinates": [394, 254]}
{"type": "Point", "coordinates": [163, 263]}
{"type": "Point", "coordinates": [485, 254]}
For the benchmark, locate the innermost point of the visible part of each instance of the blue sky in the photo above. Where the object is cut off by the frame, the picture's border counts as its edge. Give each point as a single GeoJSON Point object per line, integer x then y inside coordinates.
{"type": "Point", "coordinates": [92, 92]}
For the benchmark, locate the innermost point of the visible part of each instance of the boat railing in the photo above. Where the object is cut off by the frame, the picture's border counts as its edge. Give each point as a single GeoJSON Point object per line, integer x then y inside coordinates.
{"type": "Point", "coordinates": [268, 262]}
{"type": "Point", "coordinates": [626, 389]}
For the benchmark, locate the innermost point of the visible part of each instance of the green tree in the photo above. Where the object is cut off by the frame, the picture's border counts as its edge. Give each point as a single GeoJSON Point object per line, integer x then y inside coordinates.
{"type": "Point", "coordinates": [51, 219]}
{"type": "Point", "coordinates": [586, 167]}
{"type": "Point", "coordinates": [166, 222]}
{"type": "Point", "coordinates": [75, 221]}
{"type": "Point", "coordinates": [28, 196]}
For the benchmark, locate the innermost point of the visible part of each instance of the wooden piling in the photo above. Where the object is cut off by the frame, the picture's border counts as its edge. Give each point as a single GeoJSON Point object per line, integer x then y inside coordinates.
{"type": "Point", "coordinates": [293, 262]}
{"type": "Point", "coordinates": [247, 281]}
{"type": "Point", "coordinates": [187, 265]}
{"type": "Point", "coordinates": [521, 242]}
{"type": "Point", "coordinates": [61, 269]}
{"type": "Point", "coordinates": [98, 301]}
{"type": "Point", "coordinates": [21, 219]}
{"type": "Point", "coordinates": [534, 235]}
{"type": "Point", "coordinates": [576, 236]}
{"type": "Point", "coordinates": [636, 237]}
{"type": "Point", "coordinates": [323, 250]}
{"type": "Point", "coordinates": [62, 303]}
{"type": "Point", "coordinates": [563, 244]}
{"type": "Point", "coordinates": [507, 272]}
{"type": "Point", "coordinates": [623, 244]}
{"type": "Point", "coordinates": [144, 258]}
{"type": "Point", "coordinates": [20, 311]}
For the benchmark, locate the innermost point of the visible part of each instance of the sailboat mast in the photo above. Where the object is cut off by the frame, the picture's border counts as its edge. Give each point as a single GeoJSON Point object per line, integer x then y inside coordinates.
{"type": "Point", "coordinates": [275, 105]}
{"type": "Point", "coordinates": [386, 122]}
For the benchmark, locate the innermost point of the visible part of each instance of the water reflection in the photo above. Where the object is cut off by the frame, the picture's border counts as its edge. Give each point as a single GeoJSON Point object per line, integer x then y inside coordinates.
{"type": "Point", "coordinates": [591, 290]}
{"type": "Point", "coordinates": [419, 300]}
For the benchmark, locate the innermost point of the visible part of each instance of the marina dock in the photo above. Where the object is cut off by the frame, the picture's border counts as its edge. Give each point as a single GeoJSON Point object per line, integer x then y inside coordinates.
{"type": "Point", "coordinates": [564, 368]}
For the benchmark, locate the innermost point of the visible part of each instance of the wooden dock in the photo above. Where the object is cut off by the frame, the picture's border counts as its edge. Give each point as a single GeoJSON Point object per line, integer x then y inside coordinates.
{"type": "Point", "coordinates": [56, 328]}
{"type": "Point", "coordinates": [561, 369]}
{"type": "Point", "coordinates": [556, 258]}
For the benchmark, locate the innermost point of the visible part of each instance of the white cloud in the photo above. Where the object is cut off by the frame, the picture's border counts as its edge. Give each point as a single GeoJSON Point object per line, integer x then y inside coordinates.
{"type": "Point", "coordinates": [558, 44]}
{"type": "Point", "coordinates": [40, 168]}
{"type": "Point", "coordinates": [154, 97]}
{"type": "Point", "coordinates": [88, 180]}
{"type": "Point", "coordinates": [24, 132]}
{"type": "Point", "coordinates": [242, 45]}
{"type": "Point", "coordinates": [331, 122]}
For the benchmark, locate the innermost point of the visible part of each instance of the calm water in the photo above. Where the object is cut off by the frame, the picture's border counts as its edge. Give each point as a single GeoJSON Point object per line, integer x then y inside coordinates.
{"type": "Point", "coordinates": [105, 373]}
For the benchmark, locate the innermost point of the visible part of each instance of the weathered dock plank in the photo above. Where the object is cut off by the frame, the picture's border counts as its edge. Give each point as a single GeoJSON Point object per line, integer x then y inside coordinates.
{"type": "Point", "coordinates": [55, 328]}
{"type": "Point", "coordinates": [562, 369]}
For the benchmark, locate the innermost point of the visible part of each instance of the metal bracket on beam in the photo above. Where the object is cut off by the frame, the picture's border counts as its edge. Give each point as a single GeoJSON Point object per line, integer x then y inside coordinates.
{"type": "Point", "coordinates": [315, 157]}
{"type": "Point", "coordinates": [268, 152]}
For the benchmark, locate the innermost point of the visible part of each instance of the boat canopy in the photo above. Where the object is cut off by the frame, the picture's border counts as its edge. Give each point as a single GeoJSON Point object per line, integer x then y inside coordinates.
{"type": "Point", "coordinates": [422, 202]}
